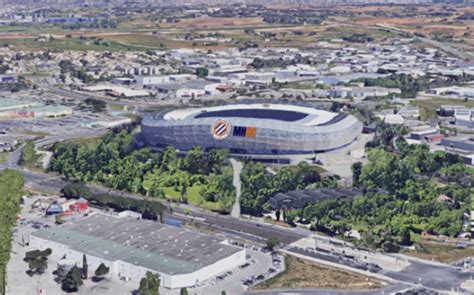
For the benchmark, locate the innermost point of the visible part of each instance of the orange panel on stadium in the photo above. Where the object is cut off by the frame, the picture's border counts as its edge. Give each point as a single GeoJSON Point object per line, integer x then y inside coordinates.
{"type": "Point", "coordinates": [251, 132]}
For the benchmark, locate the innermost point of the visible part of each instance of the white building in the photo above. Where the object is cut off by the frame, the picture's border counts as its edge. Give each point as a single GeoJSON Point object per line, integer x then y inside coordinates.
{"type": "Point", "coordinates": [131, 247]}
{"type": "Point", "coordinates": [464, 117]}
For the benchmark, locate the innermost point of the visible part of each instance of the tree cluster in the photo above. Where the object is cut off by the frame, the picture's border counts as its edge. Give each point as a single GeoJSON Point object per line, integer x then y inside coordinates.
{"type": "Point", "coordinates": [114, 162]}
{"type": "Point", "coordinates": [401, 198]}
{"type": "Point", "coordinates": [258, 185]}
{"type": "Point", "coordinates": [149, 209]}
{"type": "Point", "coordinates": [37, 261]}
{"type": "Point", "coordinates": [11, 186]}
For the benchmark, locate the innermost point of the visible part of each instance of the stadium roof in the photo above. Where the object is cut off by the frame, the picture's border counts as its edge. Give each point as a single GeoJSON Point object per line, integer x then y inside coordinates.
{"type": "Point", "coordinates": [278, 112]}
{"type": "Point", "coordinates": [281, 115]}
{"type": "Point", "coordinates": [145, 243]}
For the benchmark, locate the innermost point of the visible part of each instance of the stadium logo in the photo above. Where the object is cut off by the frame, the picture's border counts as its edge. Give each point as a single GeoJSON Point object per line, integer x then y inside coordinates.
{"type": "Point", "coordinates": [220, 129]}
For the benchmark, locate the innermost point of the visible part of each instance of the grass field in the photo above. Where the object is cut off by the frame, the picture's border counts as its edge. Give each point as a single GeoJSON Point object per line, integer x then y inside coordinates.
{"type": "Point", "coordinates": [194, 198]}
{"type": "Point", "coordinates": [301, 273]}
{"type": "Point", "coordinates": [441, 252]}
{"type": "Point", "coordinates": [84, 141]}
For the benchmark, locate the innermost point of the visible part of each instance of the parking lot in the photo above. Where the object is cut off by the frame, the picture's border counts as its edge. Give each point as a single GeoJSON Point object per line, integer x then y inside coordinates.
{"type": "Point", "coordinates": [261, 265]}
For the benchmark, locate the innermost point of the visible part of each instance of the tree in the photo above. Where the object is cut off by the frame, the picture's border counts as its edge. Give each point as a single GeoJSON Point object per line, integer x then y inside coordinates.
{"type": "Point", "coordinates": [150, 284]}
{"type": "Point", "coordinates": [72, 281]}
{"type": "Point", "coordinates": [100, 272]}
{"type": "Point", "coordinates": [85, 273]}
{"type": "Point", "coordinates": [183, 291]}
{"type": "Point", "coordinates": [272, 243]}
{"type": "Point", "coordinates": [183, 194]}
{"type": "Point", "coordinates": [37, 266]}
{"type": "Point", "coordinates": [28, 154]}
{"type": "Point", "coordinates": [356, 171]}
{"type": "Point", "coordinates": [202, 72]}
{"type": "Point", "coordinates": [76, 190]}
{"type": "Point", "coordinates": [195, 161]}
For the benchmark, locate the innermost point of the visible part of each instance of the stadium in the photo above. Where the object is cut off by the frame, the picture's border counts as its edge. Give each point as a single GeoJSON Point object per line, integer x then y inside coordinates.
{"type": "Point", "coordinates": [253, 130]}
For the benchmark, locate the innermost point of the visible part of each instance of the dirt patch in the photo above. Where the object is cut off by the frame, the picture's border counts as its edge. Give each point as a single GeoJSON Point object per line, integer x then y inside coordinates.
{"type": "Point", "coordinates": [445, 253]}
{"type": "Point", "coordinates": [301, 273]}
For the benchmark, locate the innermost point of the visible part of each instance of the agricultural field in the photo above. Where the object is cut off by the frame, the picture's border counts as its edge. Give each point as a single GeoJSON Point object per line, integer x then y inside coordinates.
{"type": "Point", "coordinates": [210, 22]}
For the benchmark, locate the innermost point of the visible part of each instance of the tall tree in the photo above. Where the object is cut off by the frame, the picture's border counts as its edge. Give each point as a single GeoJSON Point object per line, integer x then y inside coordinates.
{"type": "Point", "coordinates": [356, 171]}
{"type": "Point", "coordinates": [100, 272]}
{"type": "Point", "coordinates": [85, 272]}
{"type": "Point", "coordinates": [72, 281]}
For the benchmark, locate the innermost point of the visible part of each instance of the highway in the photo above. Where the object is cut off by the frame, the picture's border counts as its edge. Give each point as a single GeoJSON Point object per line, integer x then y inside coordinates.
{"type": "Point", "coordinates": [443, 46]}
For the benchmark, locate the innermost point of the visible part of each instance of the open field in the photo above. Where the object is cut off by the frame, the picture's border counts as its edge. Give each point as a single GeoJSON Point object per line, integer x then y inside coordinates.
{"type": "Point", "coordinates": [212, 22]}
{"type": "Point", "coordinates": [445, 253]}
{"type": "Point", "coordinates": [30, 44]}
{"type": "Point", "coordinates": [193, 196]}
{"type": "Point", "coordinates": [143, 35]}
{"type": "Point", "coordinates": [301, 273]}
{"type": "Point", "coordinates": [84, 141]}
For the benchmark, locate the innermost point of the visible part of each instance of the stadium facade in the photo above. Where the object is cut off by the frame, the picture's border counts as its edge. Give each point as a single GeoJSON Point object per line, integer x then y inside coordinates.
{"type": "Point", "coordinates": [252, 130]}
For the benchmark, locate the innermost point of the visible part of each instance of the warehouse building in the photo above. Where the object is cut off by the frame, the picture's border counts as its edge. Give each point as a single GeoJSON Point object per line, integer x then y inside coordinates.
{"type": "Point", "coordinates": [37, 112]}
{"type": "Point", "coordinates": [131, 247]}
{"type": "Point", "coordinates": [12, 104]}
{"type": "Point", "coordinates": [464, 117]}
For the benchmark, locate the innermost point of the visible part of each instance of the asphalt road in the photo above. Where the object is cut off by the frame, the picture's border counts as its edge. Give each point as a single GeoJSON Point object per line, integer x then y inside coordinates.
{"type": "Point", "coordinates": [443, 46]}
{"type": "Point", "coordinates": [444, 278]}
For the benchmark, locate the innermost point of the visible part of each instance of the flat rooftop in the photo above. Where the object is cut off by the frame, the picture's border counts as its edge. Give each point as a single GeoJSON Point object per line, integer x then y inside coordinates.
{"type": "Point", "coordinates": [6, 102]}
{"type": "Point", "coordinates": [150, 244]}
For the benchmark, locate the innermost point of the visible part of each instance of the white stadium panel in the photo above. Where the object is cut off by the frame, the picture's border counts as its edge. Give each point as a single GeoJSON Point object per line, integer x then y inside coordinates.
{"type": "Point", "coordinates": [254, 129]}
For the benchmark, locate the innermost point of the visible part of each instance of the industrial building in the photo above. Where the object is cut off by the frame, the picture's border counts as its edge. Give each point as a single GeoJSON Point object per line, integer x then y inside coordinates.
{"type": "Point", "coordinates": [131, 247]}
{"type": "Point", "coordinates": [462, 146]}
{"type": "Point", "coordinates": [252, 130]}
{"type": "Point", "coordinates": [464, 117]}
{"type": "Point", "coordinates": [12, 104]}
